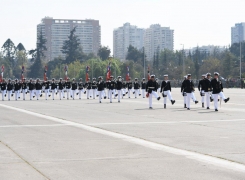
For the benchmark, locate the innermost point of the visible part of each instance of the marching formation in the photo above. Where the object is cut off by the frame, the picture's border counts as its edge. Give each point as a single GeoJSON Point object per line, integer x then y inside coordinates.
{"type": "Point", "coordinates": [210, 89]}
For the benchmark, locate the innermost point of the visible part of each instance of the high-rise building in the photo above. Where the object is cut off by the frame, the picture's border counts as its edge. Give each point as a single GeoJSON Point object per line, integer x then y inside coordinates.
{"type": "Point", "coordinates": [238, 33]}
{"type": "Point", "coordinates": [157, 37]}
{"type": "Point", "coordinates": [125, 36]}
{"type": "Point", "coordinates": [56, 31]}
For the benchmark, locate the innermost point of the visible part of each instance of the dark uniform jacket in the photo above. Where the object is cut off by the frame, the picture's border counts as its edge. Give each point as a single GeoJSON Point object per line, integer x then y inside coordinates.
{"type": "Point", "coordinates": [73, 86]}
{"type": "Point", "coordinates": [88, 85]}
{"type": "Point", "coordinates": [61, 85]}
{"type": "Point", "coordinates": [207, 87]}
{"type": "Point", "coordinates": [53, 85]}
{"type": "Point", "coordinates": [17, 86]}
{"type": "Point", "coordinates": [143, 85]}
{"type": "Point", "coordinates": [100, 85]}
{"type": "Point", "coordinates": [188, 86]}
{"type": "Point", "coordinates": [94, 85]}
{"type": "Point", "coordinates": [24, 85]}
{"type": "Point", "coordinates": [10, 86]}
{"type": "Point", "coordinates": [201, 85]}
{"type": "Point", "coordinates": [124, 85]}
{"type": "Point", "coordinates": [182, 87]}
{"type": "Point", "coordinates": [151, 86]}
{"type": "Point", "coordinates": [46, 85]}
{"type": "Point", "coordinates": [136, 85]}
{"type": "Point", "coordinates": [111, 85]}
{"type": "Point", "coordinates": [119, 85]}
{"type": "Point", "coordinates": [3, 86]}
{"type": "Point", "coordinates": [166, 86]}
{"type": "Point", "coordinates": [68, 85]}
{"type": "Point", "coordinates": [129, 85]}
{"type": "Point", "coordinates": [38, 86]}
{"type": "Point", "coordinates": [31, 86]}
{"type": "Point", "coordinates": [80, 85]}
{"type": "Point", "coordinates": [217, 86]}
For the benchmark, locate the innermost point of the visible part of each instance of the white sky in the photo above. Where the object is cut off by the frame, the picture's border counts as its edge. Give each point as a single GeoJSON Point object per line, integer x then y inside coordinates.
{"type": "Point", "coordinates": [196, 22]}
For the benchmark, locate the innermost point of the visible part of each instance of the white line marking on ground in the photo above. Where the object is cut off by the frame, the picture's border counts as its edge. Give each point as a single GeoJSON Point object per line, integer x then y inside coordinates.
{"type": "Point", "coordinates": [17, 126]}
{"type": "Point", "coordinates": [168, 122]}
{"type": "Point", "coordinates": [188, 154]}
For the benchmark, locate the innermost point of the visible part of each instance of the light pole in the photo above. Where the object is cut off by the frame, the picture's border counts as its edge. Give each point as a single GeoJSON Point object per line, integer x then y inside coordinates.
{"type": "Point", "coordinates": [240, 61]}
{"type": "Point", "coordinates": [144, 59]}
{"type": "Point", "coordinates": [183, 59]}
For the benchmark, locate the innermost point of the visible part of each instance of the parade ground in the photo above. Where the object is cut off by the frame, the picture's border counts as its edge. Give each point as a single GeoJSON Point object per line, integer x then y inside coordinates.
{"type": "Point", "coordinates": [86, 140]}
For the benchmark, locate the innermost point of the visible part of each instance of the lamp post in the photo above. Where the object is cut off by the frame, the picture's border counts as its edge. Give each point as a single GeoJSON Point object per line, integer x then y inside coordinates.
{"type": "Point", "coordinates": [183, 58]}
{"type": "Point", "coordinates": [144, 59]}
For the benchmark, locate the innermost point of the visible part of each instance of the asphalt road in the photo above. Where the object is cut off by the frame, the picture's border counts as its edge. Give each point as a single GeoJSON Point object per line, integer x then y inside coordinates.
{"type": "Point", "coordinates": [82, 139]}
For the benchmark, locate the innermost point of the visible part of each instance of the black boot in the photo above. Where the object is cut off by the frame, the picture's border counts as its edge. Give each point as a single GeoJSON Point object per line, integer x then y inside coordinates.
{"type": "Point", "coordinates": [226, 100]}
{"type": "Point", "coordinates": [196, 102]}
{"type": "Point", "coordinates": [164, 106]}
{"type": "Point", "coordinates": [172, 101]}
{"type": "Point", "coordinates": [185, 106]}
{"type": "Point", "coordinates": [203, 105]}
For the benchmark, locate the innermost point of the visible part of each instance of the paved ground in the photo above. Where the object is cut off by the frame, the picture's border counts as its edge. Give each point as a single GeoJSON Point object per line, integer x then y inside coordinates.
{"type": "Point", "coordinates": [83, 139]}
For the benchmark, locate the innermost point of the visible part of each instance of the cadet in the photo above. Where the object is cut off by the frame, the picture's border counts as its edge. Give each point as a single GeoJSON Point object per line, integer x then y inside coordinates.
{"type": "Point", "coordinates": [31, 87]}
{"type": "Point", "coordinates": [158, 86]}
{"type": "Point", "coordinates": [94, 87]}
{"type": "Point", "coordinates": [38, 87]}
{"type": "Point", "coordinates": [183, 91]}
{"type": "Point", "coordinates": [53, 87]}
{"type": "Point", "coordinates": [24, 88]}
{"type": "Point", "coordinates": [110, 86]}
{"type": "Point", "coordinates": [73, 88]}
{"type": "Point", "coordinates": [151, 88]}
{"type": "Point", "coordinates": [17, 89]}
{"type": "Point", "coordinates": [124, 86]}
{"type": "Point", "coordinates": [136, 88]}
{"type": "Point", "coordinates": [9, 88]}
{"type": "Point", "coordinates": [208, 89]}
{"type": "Point", "coordinates": [61, 87]}
{"type": "Point", "coordinates": [217, 86]}
{"type": "Point", "coordinates": [201, 88]}
{"type": "Point", "coordinates": [88, 85]}
{"type": "Point", "coordinates": [68, 88]}
{"type": "Point", "coordinates": [129, 86]}
{"type": "Point", "coordinates": [143, 86]}
{"type": "Point", "coordinates": [119, 87]}
{"type": "Point", "coordinates": [46, 85]}
{"type": "Point", "coordinates": [166, 90]}
{"type": "Point", "coordinates": [80, 88]}
{"type": "Point", "coordinates": [3, 86]}
{"type": "Point", "coordinates": [100, 88]}
{"type": "Point", "coordinates": [189, 89]}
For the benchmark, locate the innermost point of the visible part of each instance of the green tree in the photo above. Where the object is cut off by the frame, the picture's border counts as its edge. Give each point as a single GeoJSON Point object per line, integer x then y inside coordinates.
{"type": "Point", "coordinates": [70, 47]}
{"type": "Point", "coordinates": [20, 47]}
{"type": "Point", "coordinates": [36, 69]}
{"type": "Point", "coordinates": [104, 53]}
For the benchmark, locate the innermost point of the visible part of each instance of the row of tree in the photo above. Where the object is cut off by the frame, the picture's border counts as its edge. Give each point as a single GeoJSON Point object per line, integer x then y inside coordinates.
{"type": "Point", "coordinates": [174, 63]}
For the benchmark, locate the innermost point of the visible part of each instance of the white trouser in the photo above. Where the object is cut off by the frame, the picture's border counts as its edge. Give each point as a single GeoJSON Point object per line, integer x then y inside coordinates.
{"type": "Point", "coordinates": [168, 95]}
{"type": "Point", "coordinates": [216, 97]}
{"type": "Point", "coordinates": [61, 93]}
{"type": "Point", "coordinates": [203, 97]}
{"type": "Point", "coordinates": [88, 93]}
{"type": "Point", "coordinates": [143, 93]}
{"type": "Point", "coordinates": [38, 93]}
{"type": "Point", "coordinates": [129, 91]}
{"type": "Point", "coordinates": [193, 97]}
{"type": "Point", "coordinates": [53, 92]}
{"type": "Point", "coordinates": [31, 94]}
{"type": "Point", "coordinates": [68, 92]}
{"type": "Point", "coordinates": [158, 90]}
{"type": "Point", "coordinates": [153, 93]}
{"type": "Point", "coordinates": [110, 94]}
{"type": "Point", "coordinates": [119, 94]}
{"type": "Point", "coordinates": [9, 94]}
{"type": "Point", "coordinates": [185, 97]}
{"type": "Point", "coordinates": [80, 91]}
{"type": "Point", "coordinates": [115, 93]}
{"type": "Point", "coordinates": [101, 94]}
{"type": "Point", "coordinates": [3, 94]}
{"type": "Point", "coordinates": [207, 94]}
{"type": "Point", "coordinates": [188, 99]}
{"type": "Point", "coordinates": [46, 93]}
{"type": "Point", "coordinates": [24, 93]}
{"type": "Point", "coordinates": [73, 92]}
{"type": "Point", "coordinates": [136, 93]}
{"type": "Point", "coordinates": [94, 93]}
{"type": "Point", "coordinates": [16, 95]}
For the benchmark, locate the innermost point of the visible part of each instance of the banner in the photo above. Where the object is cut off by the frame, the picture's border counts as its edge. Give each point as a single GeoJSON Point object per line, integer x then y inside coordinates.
{"type": "Point", "coordinates": [1, 75]}
{"type": "Point", "coordinates": [148, 73]}
{"type": "Point", "coordinates": [127, 75]}
{"type": "Point", "coordinates": [22, 73]}
{"type": "Point", "coordinates": [87, 75]}
{"type": "Point", "coordinates": [66, 71]}
{"type": "Point", "coordinates": [108, 74]}
{"type": "Point", "coordinates": [45, 73]}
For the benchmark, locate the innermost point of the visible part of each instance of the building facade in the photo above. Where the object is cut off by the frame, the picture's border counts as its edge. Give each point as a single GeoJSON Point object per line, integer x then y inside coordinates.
{"type": "Point", "coordinates": [56, 31]}
{"type": "Point", "coordinates": [125, 36]}
{"type": "Point", "coordinates": [157, 37]}
{"type": "Point", "coordinates": [238, 33]}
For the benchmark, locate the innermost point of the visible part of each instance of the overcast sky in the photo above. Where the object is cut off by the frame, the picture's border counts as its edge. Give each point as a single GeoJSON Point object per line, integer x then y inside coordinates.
{"type": "Point", "coordinates": [195, 22]}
